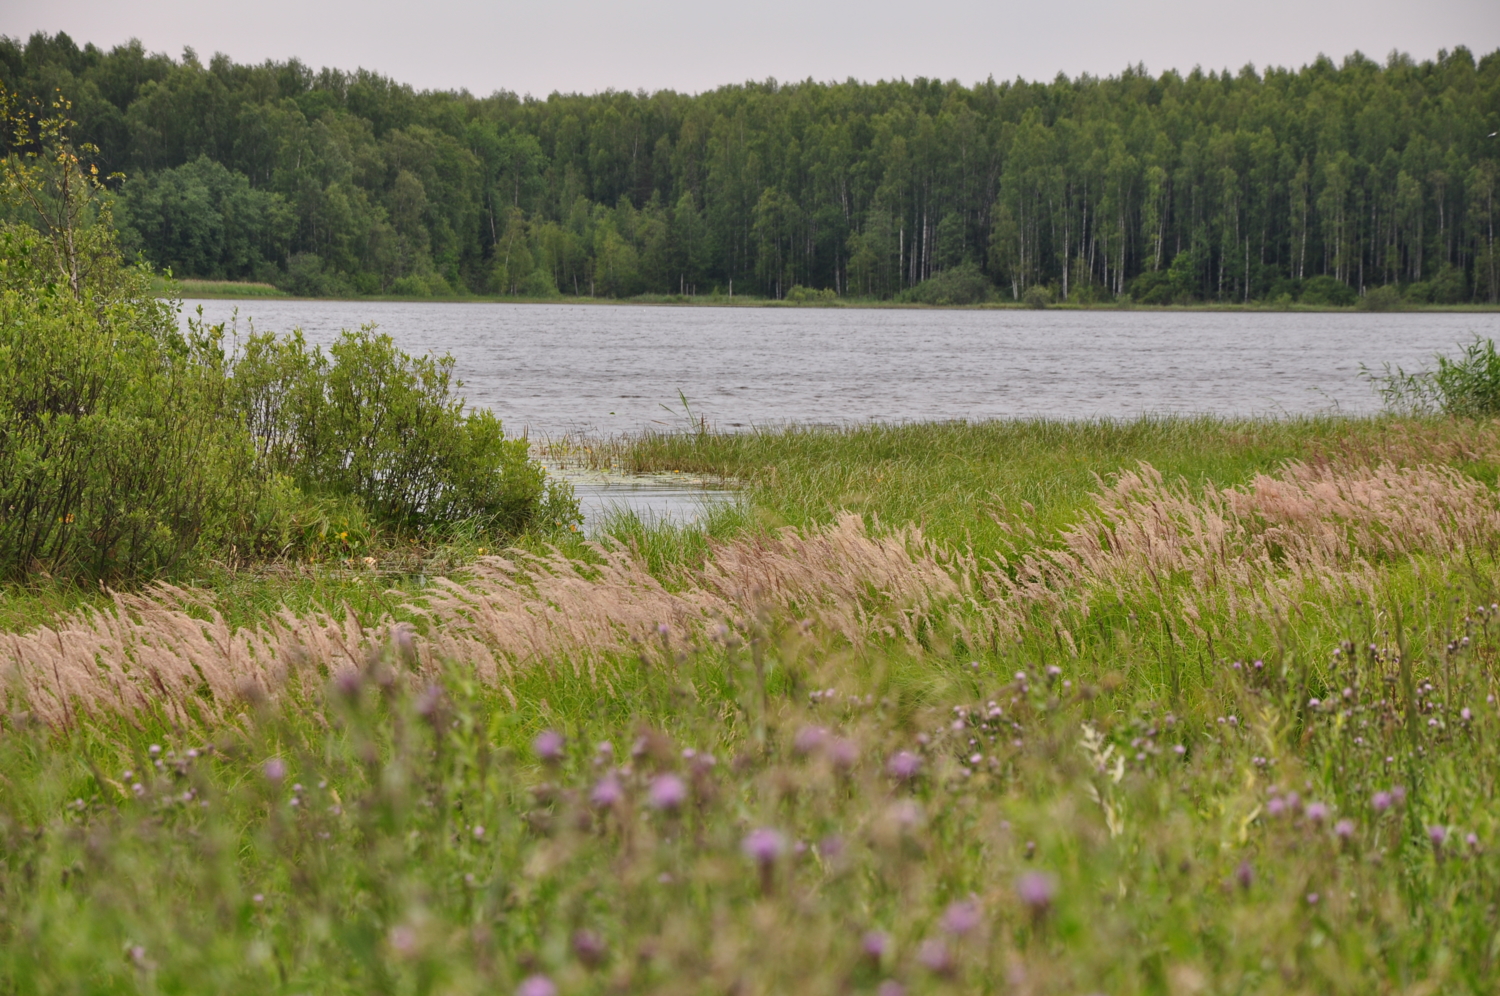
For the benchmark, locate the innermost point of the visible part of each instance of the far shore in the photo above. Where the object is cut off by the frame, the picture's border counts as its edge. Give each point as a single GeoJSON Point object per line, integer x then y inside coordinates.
{"type": "Point", "coordinates": [228, 291]}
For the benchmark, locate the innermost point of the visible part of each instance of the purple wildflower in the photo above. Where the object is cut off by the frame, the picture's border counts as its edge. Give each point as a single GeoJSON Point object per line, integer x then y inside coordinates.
{"type": "Point", "coordinates": [904, 765]}
{"type": "Point", "coordinates": [548, 746]}
{"type": "Point", "coordinates": [1275, 807]}
{"type": "Point", "coordinates": [1245, 875]}
{"type": "Point", "coordinates": [935, 956]}
{"type": "Point", "coordinates": [875, 944]}
{"type": "Point", "coordinates": [763, 846]}
{"type": "Point", "coordinates": [1036, 890]}
{"type": "Point", "coordinates": [667, 792]}
{"type": "Point", "coordinates": [275, 770]}
{"type": "Point", "coordinates": [842, 753]}
{"type": "Point", "coordinates": [809, 739]}
{"type": "Point", "coordinates": [1316, 812]}
{"type": "Point", "coordinates": [890, 987]}
{"type": "Point", "coordinates": [961, 917]}
{"type": "Point", "coordinates": [1344, 830]}
{"type": "Point", "coordinates": [536, 985]}
{"type": "Point", "coordinates": [1398, 795]}
{"type": "Point", "coordinates": [588, 947]}
{"type": "Point", "coordinates": [1438, 835]}
{"type": "Point", "coordinates": [607, 792]}
{"type": "Point", "coordinates": [1381, 801]}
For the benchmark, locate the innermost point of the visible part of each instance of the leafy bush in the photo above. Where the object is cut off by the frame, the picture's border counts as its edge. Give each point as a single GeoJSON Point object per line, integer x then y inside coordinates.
{"type": "Point", "coordinates": [963, 284]}
{"type": "Point", "coordinates": [1036, 296]}
{"type": "Point", "coordinates": [1327, 292]}
{"type": "Point", "coordinates": [1466, 387]}
{"type": "Point", "coordinates": [366, 421]}
{"type": "Point", "coordinates": [129, 445]}
{"type": "Point", "coordinates": [1152, 287]}
{"type": "Point", "coordinates": [1381, 299]}
{"type": "Point", "coordinates": [811, 295]}
{"type": "Point", "coordinates": [116, 453]}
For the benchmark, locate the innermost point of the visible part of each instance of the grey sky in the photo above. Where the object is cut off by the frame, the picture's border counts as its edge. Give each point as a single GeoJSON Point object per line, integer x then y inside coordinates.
{"type": "Point", "coordinates": [586, 45]}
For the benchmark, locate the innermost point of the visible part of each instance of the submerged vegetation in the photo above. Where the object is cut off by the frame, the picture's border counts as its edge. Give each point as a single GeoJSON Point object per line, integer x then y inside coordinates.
{"type": "Point", "coordinates": [1311, 186]}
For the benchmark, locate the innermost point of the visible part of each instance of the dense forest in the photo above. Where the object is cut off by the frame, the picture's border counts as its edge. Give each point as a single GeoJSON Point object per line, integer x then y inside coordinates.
{"type": "Point", "coordinates": [1319, 184]}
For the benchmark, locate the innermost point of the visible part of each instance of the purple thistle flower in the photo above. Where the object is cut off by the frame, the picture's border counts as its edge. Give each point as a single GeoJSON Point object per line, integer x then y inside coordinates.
{"type": "Point", "coordinates": [890, 987]}
{"type": "Point", "coordinates": [904, 765]}
{"type": "Point", "coordinates": [1312, 899]}
{"type": "Point", "coordinates": [607, 792]}
{"type": "Point", "coordinates": [1381, 801]}
{"type": "Point", "coordinates": [763, 846]}
{"type": "Point", "coordinates": [1036, 890]}
{"type": "Point", "coordinates": [961, 917]}
{"type": "Point", "coordinates": [875, 944]}
{"type": "Point", "coordinates": [1275, 807]}
{"type": "Point", "coordinates": [1316, 812]}
{"type": "Point", "coordinates": [935, 956]}
{"type": "Point", "coordinates": [275, 770]}
{"type": "Point", "coordinates": [1245, 875]}
{"type": "Point", "coordinates": [1344, 830]}
{"type": "Point", "coordinates": [842, 752]}
{"type": "Point", "coordinates": [667, 792]}
{"type": "Point", "coordinates": [548, 746]}
{"type": "Point", "coordinates": [588, 947]}
{"type": "Point", "coordinates": [831, 846]}
{"type": "Point", "coordinates": [1438, 835]}
{"type": "Point", "coordinates": [536, 985]}
{"type": "Point", "coordinates": [809, 739]}
{"type": "Point", "coordinates": [1398, 795]}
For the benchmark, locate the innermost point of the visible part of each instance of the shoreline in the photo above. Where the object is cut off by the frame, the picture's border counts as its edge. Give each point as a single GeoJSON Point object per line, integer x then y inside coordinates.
{"type": "Point", "coordinates": [193, 294]}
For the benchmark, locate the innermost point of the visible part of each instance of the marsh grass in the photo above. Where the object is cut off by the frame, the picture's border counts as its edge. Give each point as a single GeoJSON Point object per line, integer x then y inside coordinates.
{"type": "Point", "coordinates": [1221, 718]}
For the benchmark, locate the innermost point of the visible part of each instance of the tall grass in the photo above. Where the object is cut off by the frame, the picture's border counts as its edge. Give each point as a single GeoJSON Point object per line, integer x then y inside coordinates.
{"type": "Point", "coordinates": [1222, 722]}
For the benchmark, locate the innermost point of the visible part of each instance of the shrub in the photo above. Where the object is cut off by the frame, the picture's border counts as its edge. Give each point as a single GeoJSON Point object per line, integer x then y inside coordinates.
{"type": "Point", "coordinates": [1152, 287]}
{"type": "Point", "coordinates": [1466, 387]}
{"type": "Point", "coordinates": [367, 421]}
{"type": "Point", "coordinates": [1327, 292]}
{"type": "Point", "coordinates": [962, 284]}
{"type": "Point", "coordinates": [811, 295]}
{"type": "Point", "coordinates": [1381, 299]}
{"type": "Point", "coordinates": [117, 456]}
{"type": "Point", "coordinates": [1036, 296]}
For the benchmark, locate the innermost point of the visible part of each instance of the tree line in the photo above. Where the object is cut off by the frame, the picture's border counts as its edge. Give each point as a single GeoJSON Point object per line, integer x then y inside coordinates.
{"type": "Point", "coordinates": [1317, 184]}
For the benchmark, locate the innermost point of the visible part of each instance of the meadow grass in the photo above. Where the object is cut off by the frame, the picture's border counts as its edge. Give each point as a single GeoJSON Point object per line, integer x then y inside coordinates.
{"type": "Point", "coordinates": [1034, 718]}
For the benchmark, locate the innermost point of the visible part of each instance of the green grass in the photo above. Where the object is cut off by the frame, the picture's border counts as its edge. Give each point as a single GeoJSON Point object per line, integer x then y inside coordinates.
{"type": "Point", "coordinates": [954, 478]}
{"type": "Point", "coordinates": [1139, 772]}
{"type": "Point", "coordinates": [216, 289]}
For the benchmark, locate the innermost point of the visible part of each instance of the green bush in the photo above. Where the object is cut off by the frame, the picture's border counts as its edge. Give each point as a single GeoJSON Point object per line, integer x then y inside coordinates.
{"type": "Point", "coordinates": [1327, 292]}
{"type": "Point", "coordinates": [117, 456]}
{"type": "Point", "coordinates": [1036, 296]}
{"type": "Point", "coordinates": [1381, 299]}
{"type": "Point", "coordinates": [129, 446]}
{"type": "Point", "coordinates": [368, 422]}
{"type": "Point", "coordinates": [962, 284]}
{"type": "Point", "coordinates": [811, 295]}
{"type": "Point", "coordinates": [1466, 387]}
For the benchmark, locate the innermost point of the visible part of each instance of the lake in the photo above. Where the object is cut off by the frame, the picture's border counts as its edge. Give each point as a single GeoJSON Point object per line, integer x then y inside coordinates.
{"type": "Point", "coordinates": [552, 369]}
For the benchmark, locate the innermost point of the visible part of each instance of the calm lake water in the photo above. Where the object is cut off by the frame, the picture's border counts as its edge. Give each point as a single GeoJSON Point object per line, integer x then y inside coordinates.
{"type": "Point", "coordinates": [548, 370]}
{"type": "Point", "coordinates": [552, 369]}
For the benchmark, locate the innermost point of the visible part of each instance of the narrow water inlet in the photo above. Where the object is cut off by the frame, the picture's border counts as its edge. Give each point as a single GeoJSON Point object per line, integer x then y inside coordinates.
{"type": "Point", "coordinates": [678, 499]}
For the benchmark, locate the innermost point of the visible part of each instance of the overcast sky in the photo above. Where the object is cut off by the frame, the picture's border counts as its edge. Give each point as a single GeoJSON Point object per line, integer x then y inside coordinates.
{"type": "Point", "coordinates": [540, 46]}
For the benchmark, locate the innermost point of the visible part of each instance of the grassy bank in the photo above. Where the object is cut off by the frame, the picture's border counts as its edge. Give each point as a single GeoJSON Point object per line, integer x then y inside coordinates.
{"type": "Point", "coordinates": [1169, 706]}
{"type": "Point", "coordinates": [235, 290]}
